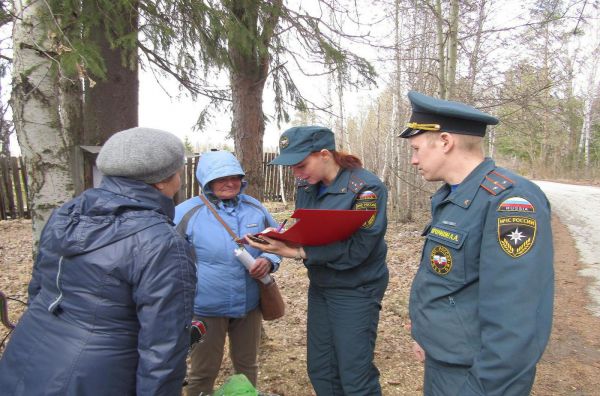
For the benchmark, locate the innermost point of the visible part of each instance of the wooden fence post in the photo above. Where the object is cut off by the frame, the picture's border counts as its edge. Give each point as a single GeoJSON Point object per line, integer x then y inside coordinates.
{"type": "Point", "coordinates": [14, 201]}
{"type": "Point", "coordinates": [14, 163]}
{"type": "Point", "coordinates": [7, 187]}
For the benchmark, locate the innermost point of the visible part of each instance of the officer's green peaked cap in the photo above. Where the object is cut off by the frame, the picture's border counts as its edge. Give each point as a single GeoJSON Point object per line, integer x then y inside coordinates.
{"type": "Point", "coordinates": [297, 143]}
{"type": "Point", "coordinates": [432, 114]}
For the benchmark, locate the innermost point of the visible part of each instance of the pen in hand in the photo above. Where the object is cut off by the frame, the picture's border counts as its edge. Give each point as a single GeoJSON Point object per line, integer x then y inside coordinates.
{"type": "Point", "coordinates": [281, 225]}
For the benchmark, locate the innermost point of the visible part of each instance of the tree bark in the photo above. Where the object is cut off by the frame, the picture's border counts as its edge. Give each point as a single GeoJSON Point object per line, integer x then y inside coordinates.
{"type": "Point", "coordinates": [452, 50]}
{"type": "Point", "coordinates": [248, 73]}
{"type": "Point", "coordinates": [248, 128]}
{"type": "Point", "coordinates": [46, 145]}
{"type": "Point", "coordinates": [111, 105]}
{"type": "Point", "coordinates": [476, 53]}
{"type": "Point", "coordinates": [441, 47]}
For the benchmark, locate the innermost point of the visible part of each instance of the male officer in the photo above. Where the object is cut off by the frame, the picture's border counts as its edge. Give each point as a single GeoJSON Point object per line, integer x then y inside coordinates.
{"type": "Point", "coordinates": [481, 301]}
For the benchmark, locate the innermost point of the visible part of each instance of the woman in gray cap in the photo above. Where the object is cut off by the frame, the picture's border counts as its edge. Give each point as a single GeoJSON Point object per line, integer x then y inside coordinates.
{"type": "Point", "coordinates": [111, 295]}
{"type": "Point", "coordinates": [347, 278]}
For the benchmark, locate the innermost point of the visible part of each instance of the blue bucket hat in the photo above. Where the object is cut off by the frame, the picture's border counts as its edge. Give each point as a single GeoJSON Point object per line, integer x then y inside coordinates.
{"type": "Point", "coordinates": [432, 114]}
{"type": "Point", "coordinates": [297, 143]}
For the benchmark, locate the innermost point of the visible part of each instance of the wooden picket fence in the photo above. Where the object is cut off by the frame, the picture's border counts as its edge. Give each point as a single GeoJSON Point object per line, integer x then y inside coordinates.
{"type": "Point", "coordinates": [13, 185]}
{"type": "Point", "coordinates": [272, 187]}
{"type": "Point", "coordinates": [13, 189]}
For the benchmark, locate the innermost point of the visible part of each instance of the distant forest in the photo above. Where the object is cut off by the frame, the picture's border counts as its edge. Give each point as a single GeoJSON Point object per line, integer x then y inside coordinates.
{"type": "Point", "coordinates": [70, 78]}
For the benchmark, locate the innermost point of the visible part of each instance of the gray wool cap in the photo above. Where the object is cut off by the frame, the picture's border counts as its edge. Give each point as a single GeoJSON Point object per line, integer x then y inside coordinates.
{"type": "Point", "coordinates": [144, 154]}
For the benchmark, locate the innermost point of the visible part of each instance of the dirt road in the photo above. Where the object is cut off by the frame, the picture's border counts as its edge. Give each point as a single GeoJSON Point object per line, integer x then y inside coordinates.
{"type": "Point", "coordinates": [571, 362]}
{"type": "Point", "coordinates": [578, 207]}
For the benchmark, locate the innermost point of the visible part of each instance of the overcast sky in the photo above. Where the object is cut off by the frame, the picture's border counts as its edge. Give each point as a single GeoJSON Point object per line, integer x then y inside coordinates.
{"type": "Point", "coordinates": [166, 111]}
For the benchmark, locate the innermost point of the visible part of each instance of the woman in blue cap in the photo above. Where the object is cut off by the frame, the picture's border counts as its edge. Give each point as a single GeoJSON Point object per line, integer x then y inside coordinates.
{"type": "Point", "coordinates": [227, 294]}
{"type": "Point", "coordinates": [347, 278]}
{"type": "Point", "coordinates": [110, 299]}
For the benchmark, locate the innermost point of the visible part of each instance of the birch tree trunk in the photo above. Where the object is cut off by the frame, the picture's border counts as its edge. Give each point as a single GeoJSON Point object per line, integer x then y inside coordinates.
{"type": "Point", "coordinates": [476, 53]}
{"type": "Point", "coordinates": [584, 141]}
{"type": "Point", "coordinates": [441, 47]}
{"type": "Point", "coordinates": [46, 144]}
{"type": "Point", "coordinates": [389, 139]}
{"type": "Point", "coordinates": [345, 143]}
{"type": "Point", "coordinates": [591, 94]}
{"type": "Point", "coordinates": [281, 185]}
{"type": "Point", "coordinates": [452, 50]}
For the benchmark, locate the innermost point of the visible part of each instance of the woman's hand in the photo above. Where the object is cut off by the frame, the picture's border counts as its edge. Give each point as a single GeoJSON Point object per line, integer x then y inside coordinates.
{"type": "Point", "coordinates": [261, 267]}
{"type": "Point", "coordinates": [277, 247]}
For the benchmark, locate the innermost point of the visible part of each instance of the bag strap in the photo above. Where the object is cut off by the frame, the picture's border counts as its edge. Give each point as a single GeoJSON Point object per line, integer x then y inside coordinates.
{"type": "Point", "coordinates": [214, 212]}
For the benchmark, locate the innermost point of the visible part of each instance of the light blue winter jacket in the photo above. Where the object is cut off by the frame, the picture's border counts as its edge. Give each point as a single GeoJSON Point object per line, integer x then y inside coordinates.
{"type": "Point", "coordinates": [225, 287]}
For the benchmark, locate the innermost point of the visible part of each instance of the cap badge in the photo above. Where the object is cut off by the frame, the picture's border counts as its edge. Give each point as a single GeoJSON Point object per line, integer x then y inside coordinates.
{"type": "Point", "coordinates": [284, 141]}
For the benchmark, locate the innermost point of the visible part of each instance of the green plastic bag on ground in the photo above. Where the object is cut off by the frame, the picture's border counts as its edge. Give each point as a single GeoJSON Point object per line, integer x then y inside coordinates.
{"type": "Point", "coordinates": [236, 385]}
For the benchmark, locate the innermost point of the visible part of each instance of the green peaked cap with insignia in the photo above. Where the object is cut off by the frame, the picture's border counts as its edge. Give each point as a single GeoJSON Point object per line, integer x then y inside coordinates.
{"type": "Point", "coordinates": [297, 143]}
{"type": "Point", "coordinates": [432, 114]}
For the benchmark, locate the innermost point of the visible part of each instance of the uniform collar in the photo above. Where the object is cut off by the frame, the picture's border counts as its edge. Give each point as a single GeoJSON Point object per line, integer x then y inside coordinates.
{"type": "Point", "coordinates": [340, 183]}
{"type": "Point", "coordinates": [338, 186]}
{"type": "Point", "coordinates": [464, 194]}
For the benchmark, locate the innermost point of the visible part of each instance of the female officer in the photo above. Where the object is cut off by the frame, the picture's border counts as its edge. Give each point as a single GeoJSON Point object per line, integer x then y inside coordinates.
{"type": "Point", "coordinates": [347, 278]}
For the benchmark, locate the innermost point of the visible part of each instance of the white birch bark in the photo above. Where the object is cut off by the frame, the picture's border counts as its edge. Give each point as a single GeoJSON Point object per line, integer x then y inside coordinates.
{"type": "Point", "coordinates": [389, 140]}
{"type": "Point", "coordinates": [45, 145]}
{"type": "Point", "coordinates": [452, 50]}
{"type": "Point", "coordinates": [591, 94]}
{"type": "Point", "coordinates": [441, 49]}
{"type": "Point", "coordinates": [281, 185]}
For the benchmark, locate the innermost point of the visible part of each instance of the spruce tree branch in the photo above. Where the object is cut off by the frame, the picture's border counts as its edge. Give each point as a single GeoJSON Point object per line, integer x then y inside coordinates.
{"type": "Point", "coordinates": [169, 67]}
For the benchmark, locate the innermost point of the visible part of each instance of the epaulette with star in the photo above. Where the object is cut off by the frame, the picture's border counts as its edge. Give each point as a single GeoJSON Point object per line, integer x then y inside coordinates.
{"type": "Point", "coordinates": [495, 182]}
{"type": "Point", "coordinates": [356, 184]}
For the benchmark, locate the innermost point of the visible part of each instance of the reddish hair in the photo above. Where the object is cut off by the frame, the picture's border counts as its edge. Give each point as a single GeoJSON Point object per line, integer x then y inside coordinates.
{"type": "Point", "coordinates": [346, 160]}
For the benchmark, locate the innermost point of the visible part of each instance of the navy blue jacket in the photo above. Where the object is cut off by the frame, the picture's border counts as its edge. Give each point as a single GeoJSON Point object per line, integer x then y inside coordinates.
{"type": "Point", "coordinates": [111, 299]}
{"type": "Point", "coordinates": [483, 294]}
{"type": "Point", "coordinates": [359, 259]}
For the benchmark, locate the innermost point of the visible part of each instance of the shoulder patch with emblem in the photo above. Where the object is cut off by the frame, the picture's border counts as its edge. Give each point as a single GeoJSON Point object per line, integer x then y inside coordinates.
{"type": "Point", "coordinates": [441, 259]}
{"type": "Point", "coordinates": [516, 234]}
{"type": "Point", "coordinates": [516, 204]}
{"type": "Point", "coordinates": [494, 183]}
{"type": "Point", "coordinates": [366, 200]}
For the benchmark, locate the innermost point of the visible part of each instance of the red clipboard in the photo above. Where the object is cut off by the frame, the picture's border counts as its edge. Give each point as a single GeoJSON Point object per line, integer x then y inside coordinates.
{"type": "Point", "coordinates": [314, 227]}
